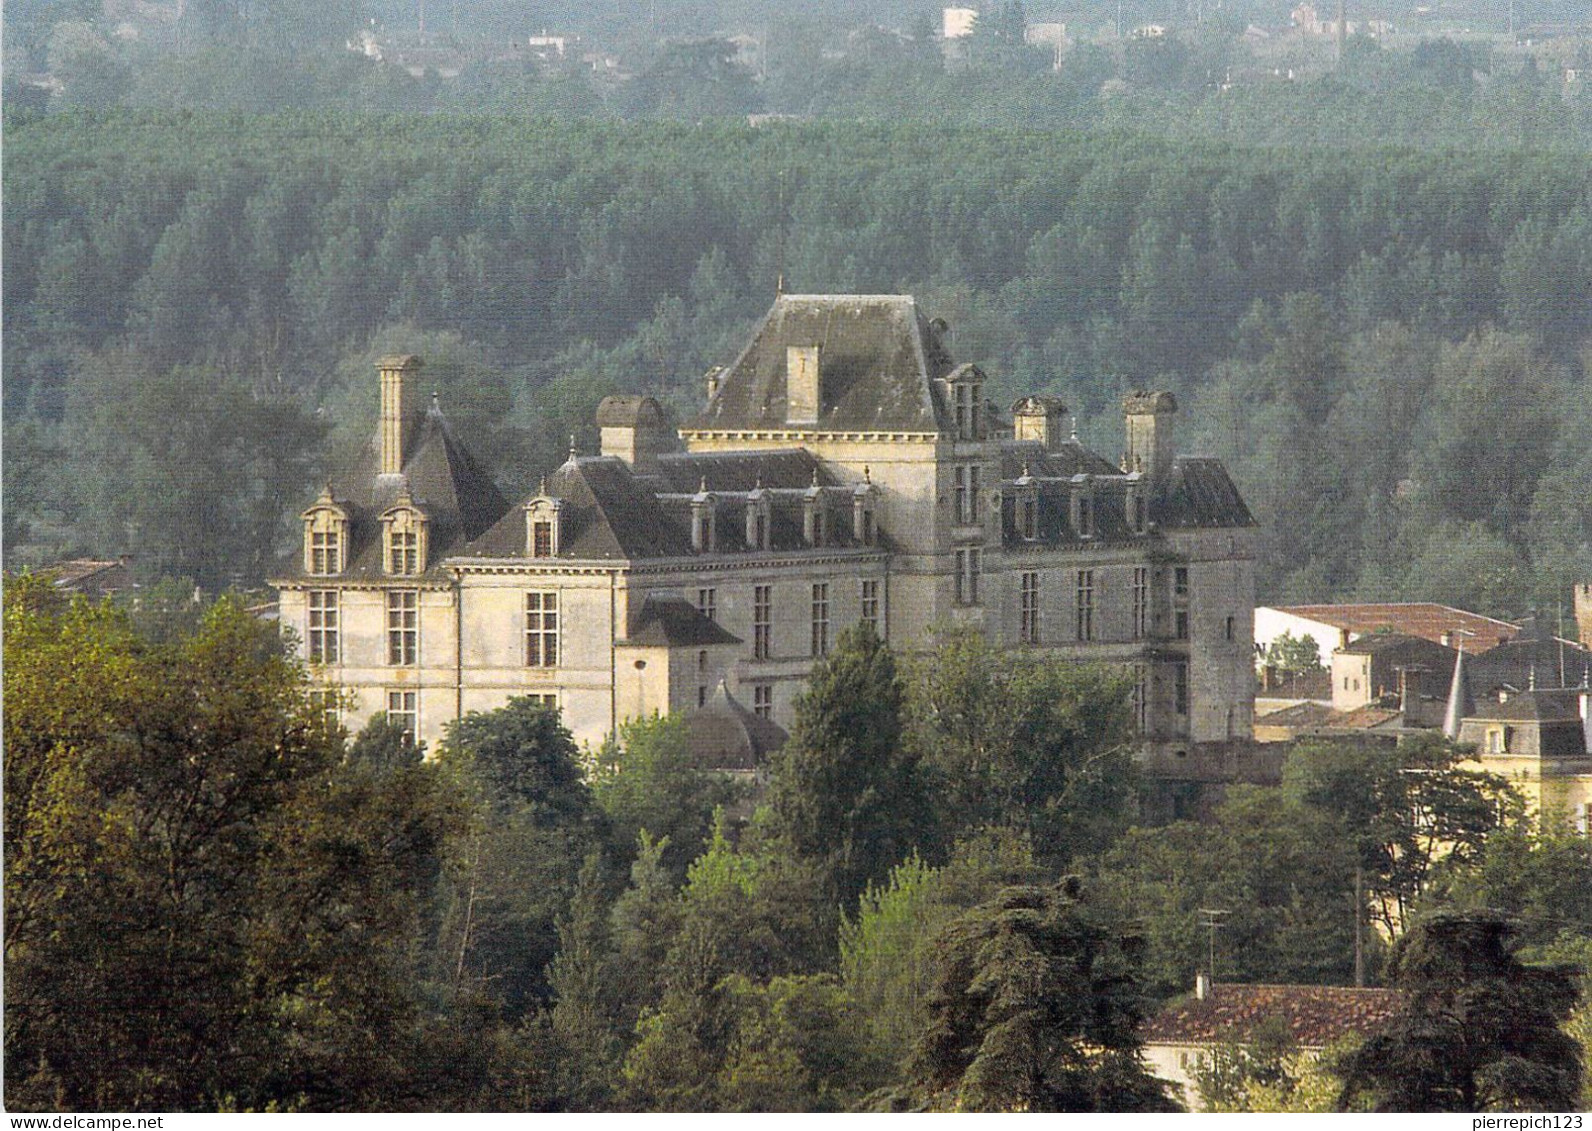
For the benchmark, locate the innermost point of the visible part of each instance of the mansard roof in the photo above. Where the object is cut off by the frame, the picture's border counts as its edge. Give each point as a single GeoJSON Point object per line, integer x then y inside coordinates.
{"type": "Point", "coordinates": [878, 357]}
{"type": "Point", "coordinates": [443, 480]}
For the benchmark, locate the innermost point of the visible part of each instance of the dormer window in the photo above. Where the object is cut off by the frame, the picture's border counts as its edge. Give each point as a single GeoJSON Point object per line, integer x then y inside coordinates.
{"type": "Point", "coordinates": [703, 536]}
{"type": "Point", "coordinates": [813, 517]}
{"type": "Point", "coordinates": [759, 515]}
{"type": "Point", "coordinates": [967, 403]}
{"type": "Point", "coordinates": [862, 523]}
{"type": "Point", "coordinates": [403, 538]}
{"type": "Point", "coordinates": [1028, 516]}
{"type": "Point", "coordinates": [542, 525]}
{"type": "Point", "coordinates": [1137, 509]}
{"type": "Point", "coordinates": [1083, 509]}
{"type": "Point", "coordinates": [325, 536]}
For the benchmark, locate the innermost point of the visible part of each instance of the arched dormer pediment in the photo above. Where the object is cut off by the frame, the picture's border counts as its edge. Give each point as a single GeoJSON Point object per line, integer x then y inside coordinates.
{"type": "Point", "coordinates": [326, 524]}
{"type": "Point", "coordinates": [404, 529]}
{"type": "Point", "coordinates": [543, 525]}
{"type": "Point", "coordinates": [965, 390]}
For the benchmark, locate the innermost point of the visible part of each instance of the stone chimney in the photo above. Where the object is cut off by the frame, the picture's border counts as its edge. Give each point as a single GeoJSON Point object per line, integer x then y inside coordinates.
{"type": "Point", "coordinates": [396, 409]}
{"type": "Point", "coordinates": [635, 430]}
{"type": "Point", "coordinates": [1040, 420]}
{"type": "Point", "coordinates": [1583, 611]}
{"type": "Point", "coordinates": [803, 384]}
{"type": "Point", "coordinates": [1149, 426]}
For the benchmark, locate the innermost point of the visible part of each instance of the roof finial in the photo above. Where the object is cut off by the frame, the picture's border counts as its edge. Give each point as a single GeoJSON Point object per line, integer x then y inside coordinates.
{"type": "Point", "coordinates": [542, 490]}
{"type": "Point", "coordinates": [702, 486]}
{"type": "Point", "coordinates": [1531, 677]}
{"type": "Point", "coordinates": [436, 401]}
{"type": "Point", "coordinates": [1074, 427]}
{"type": "Point", "coordinates": [758, 486]}
{"type": "Point", "coordinates": [815, 475]}
{"type": "Point", "coordinates": [1026, 475]}
{"type": "Point", "coordinates": [867, 474]}
{"type": "Point", "coordinates": [573, 452]}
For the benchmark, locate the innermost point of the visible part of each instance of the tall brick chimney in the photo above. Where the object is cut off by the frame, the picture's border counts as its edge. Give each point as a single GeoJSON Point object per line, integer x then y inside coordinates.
{"type": "Point", "coordinates": [396, 409]}
{"type": "Point", "coordinates": [1149, 426]}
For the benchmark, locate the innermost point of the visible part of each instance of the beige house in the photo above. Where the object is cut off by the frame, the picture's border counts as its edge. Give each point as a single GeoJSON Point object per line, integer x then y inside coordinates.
{"type": "Point", "coordinates": [1541, 742]}
{"type": "Point", "coordinates": [844, 468]}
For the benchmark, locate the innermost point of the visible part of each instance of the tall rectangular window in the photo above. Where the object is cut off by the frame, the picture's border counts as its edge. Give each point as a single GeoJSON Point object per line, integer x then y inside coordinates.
{"type": "Point", "coordinates": [821, 619]}
{"type": "Point", "coordinates": [1028, 516]}
{"type": "Point", "coordinates": [404, 550]}
{"type": "Point", "coordinates": [403, 627]}
{"type": "Point", "coordinates": [762, 622]}
{"type": "Point", "coordinates": [1028, 621]}
{"type": "Point", "coordinates": [969, 565]}
{"type": "Point", "coordinates": [403, 708]}
{"type": "Point", "coordinates": [870, 605]}
{"type": "Point", "coordinates": [702, 678]}
{"type": "Point", "coordinates": [1141, 699]}
{"type": "Point", "coordinates": [1141, 603]}
{"type": "Point", "coordinates": [1180, 687]}
{"type": "Point", "coordinates": [329, 701]}
{"type": "Point", "coordinates": [708, 603]}
{"type": "Point", "coordinates": [1086, 604]}
{"type": "Point", "coordinates": [322, 634]}
{"type": "Point", "coordinates": [541, 630]}
{"type": "Point", "coordinates": [959, 490]}
{"type": "Point", "coordinates": [966, 400]}
{"type": "Point", "coordinates": [541, 539]}
{"type": "Point", "coordinates": [326, 552]}
{"type": "Point", "coordinates": [763, 700]}
{"type": "Point", "coordinates": [1180, 602]}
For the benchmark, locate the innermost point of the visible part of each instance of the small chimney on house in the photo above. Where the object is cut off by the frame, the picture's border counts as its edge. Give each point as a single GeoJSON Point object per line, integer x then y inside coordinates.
{"type": "Point", "coordinates": [803, 384]}
{"type": "Point", "coordinates": [1149, 419]}
{"type": "Point", "coordinates": [712, 381]}
{"type": "Point", "coordinates": [1039, 420]}
{"type": "Point", "coordinates": [1202, 986]}
{"type": "Point", "coordinates": [635, 430]}
{"type": "Point", "coordinates": [1583, 612]}
{"type": "Point", "coordinates": [395, 409]}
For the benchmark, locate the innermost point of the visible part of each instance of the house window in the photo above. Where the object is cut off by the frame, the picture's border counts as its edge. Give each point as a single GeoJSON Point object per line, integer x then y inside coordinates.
{"type": "Point", "coordinates": [403, 552]}
{"type": "Point", "coordinates": [328, 701]}
{"type": "Point", "coordinates": [546, 701]}
{"type": "Point", "coordinates": [1180, 602]}
{"type": "Point", "coordinates": [1085, 517]}
{"type": "Point", "coordinates": [760, 531]}
{"type": "Point", "coordinates": [1136, 512]}
{"type": "Point", "coordinates": [1086, 604]}
{"type": "Point", "coordinates": [965, 394]}
{"type": "Point", "coordinates": [1180, 687]}
{"type": "Point", "coordinates": [821, 619]}
{"type": "Point", "coordinates": [702, 678]}
{"type": "Point", "coordinates": [403, 627]}
{"type": "Point", "coordinates": [403, 708]}
{"type": "Point", "coordinates": [541, 538]}
{"type": "Point", "coordinates": [1141, 699]}
{"type": "Point", "coordinates": [870, 605]}
{"type": "Point", "coordinates": [1498, 740]}
{"type": "Point", "coordinates": [1231, 628]}
{"type": "Point", "coordinates": [763, 700]}
{"type": "Point", "coordinates": [1028, 627]}
{"type": "Point", "coordinates": [965, 491]}
{"type": "Point", "coordinates": [708, 603]}
{"type": "Point", "coordinates": [1141, 603]}
{"type": "Point", "coordinates": [1028, 516]}
{"type": "Point", "coordinates": [541, 630]}
{"type": "Point", "coordinates": [322, 634]}
{"type": "Point", "coordinates": [969, 564]}
{"type": "Point", "coordinates": [867, 527]}
{"type": "Point", "coordinates": [762, 622]}
{"type": "Point", "coordinates": [326, 552]}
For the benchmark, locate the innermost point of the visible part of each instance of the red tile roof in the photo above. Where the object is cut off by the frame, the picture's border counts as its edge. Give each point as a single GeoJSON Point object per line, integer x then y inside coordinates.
{"type": "Point", "coordinates": [1423, 619]}
{"type": "Point", "coordinates": [1316, 1015]}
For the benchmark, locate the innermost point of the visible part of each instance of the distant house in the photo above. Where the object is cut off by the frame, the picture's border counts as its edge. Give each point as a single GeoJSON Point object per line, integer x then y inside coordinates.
{"type": "Point", "coordinates": [1394, 666]}
{"type": "Point", "coordinates": [94, 578]}
{"type": "Point", "coordinates": [1541, 741]}
{"type": "Point", "coordinates": [1338, 626]}
{"type": "Point", "coordinates": [1180, 1038]}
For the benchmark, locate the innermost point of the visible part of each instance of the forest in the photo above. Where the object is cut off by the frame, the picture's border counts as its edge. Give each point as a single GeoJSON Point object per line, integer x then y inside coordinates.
{"type": "Point", "coordinates": [941, 903]}
{"type": "Point", "coordinates": [1390, 352]}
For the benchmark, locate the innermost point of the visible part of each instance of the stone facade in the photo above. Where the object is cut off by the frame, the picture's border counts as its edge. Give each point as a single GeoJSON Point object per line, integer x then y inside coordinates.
{"type": "Point", "coordinates": [844, 468]}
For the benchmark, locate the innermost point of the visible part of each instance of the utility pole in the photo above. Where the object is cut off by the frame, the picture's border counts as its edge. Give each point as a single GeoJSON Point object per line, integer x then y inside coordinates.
{"type": "Point", "coordinates": [1211, 919]}
{"type": "Point", "coordinates": [1359, 923]}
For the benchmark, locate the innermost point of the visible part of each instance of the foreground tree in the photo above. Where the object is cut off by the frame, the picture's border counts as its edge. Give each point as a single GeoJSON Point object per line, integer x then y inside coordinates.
{"type": "Point", "coordinates": [1036, 1007]}
{"type": "Point", "coordinates": [1479, 1031]}
{"type": "Point", "coordinates": [205, 903]}
{"type": "Point", "coordinates": [844, 792]}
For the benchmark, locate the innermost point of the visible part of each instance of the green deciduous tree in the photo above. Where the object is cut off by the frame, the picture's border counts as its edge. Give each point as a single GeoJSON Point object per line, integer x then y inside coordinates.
{"type": "Point", "coordinates": [844, 791]}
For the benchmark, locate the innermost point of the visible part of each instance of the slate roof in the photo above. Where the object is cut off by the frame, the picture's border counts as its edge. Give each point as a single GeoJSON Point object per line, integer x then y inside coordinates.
{"type": "Point", "coordinates": [1424, 619]}
{"type": "Point", "coordinates": [1199, 493]}
{"type": "Point", "coordinates": [724, 735]}
{"type": "Point", "coordinates": [88, 575]}
{"type": "Point", "coordinates": [1315, 1015]}
{"type": "Point", "coordinates": [684, 473]}
{"type": "Point", "coordinates": [1514, 664]}
{"type": "Point", "coordinates": [1299, 716]}
{"type": "Point", "coordinates": [444, 480]}
{"type": "Point", "coordinates": [1554, 705]}
{"type": "Point", "coordinates": [1068, 459]}
{"type": "Point", "coordinates": [878, 359]}
{"type": "Point", "coordinates": [673, 622]}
